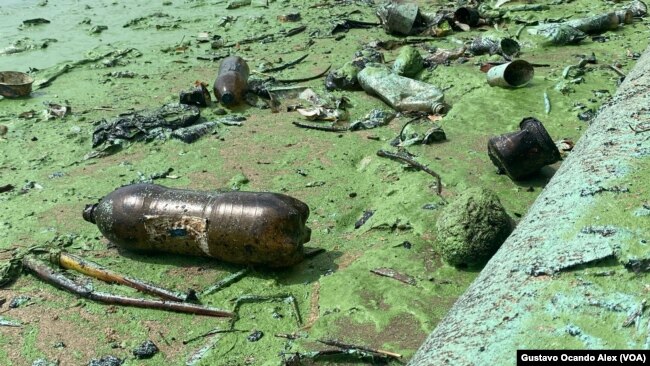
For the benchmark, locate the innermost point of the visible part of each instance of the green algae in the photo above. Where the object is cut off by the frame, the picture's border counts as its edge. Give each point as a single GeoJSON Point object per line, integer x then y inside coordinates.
{"type": "Point", "coordinates": [472, 227]}
{"type": "Point", "coordinates": [409, 62]}
{"type": "Point", "coordinates": [346, 164]}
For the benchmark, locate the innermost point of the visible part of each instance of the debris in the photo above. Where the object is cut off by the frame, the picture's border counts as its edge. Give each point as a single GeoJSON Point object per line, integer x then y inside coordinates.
{"type": "Point", "coordinates": [245, 227]}
{"type": "Point", "coordinates": [3, 132]}
{"type": "Point", "coordinates": [106, 361]}
{"type": "Point", "coordinates": [389, 272]}
{"type": "Point", "coordinates": [48, 275]}
{"type": "Point", "coordinates": [255, 336]}
{"type": "Point", "coordinates": [144, 124]}
{"type": "Point", "coordinates": [142, 178]}
{"type": "Point", "coordinates": [146, 350]}
{"type": "Point", "coordinates": [346, 77]}
{"type": "Point", "coordinates": [419, 131]}
{"type": "Point", "coordinates": [19, 301]}
{"type": "Point", "coordinates": [512, 74]}
{"type": "Point", "coordinates": [375, 118]}
{"type": "Point", "coordinates": [547, 103]}
{"type": "Point", "coordinates": [319, 127]}
{"type": "Point", "coordinates": [193, 133]}
{"type": "Point", "coordinates": [97, 29]}
{"type": "Point", "coordinates": [286, 65]}
{"type": "Point", "coordinates": [234, 4]}
{"type": "Point", "coordinates": [290, 17]}
{"type": "Point", "coordinates": [442, 56]}
{"type": "Point", "coordinates": [36, 21]}
{"type": "Point", "coordinates": [211, 332]}
{"type": "Point", "coordinates": [595, 24]}
{"type": "Point", "coordinates": [339, 344]}
{"type": "Point", "coordinates": [472, 227]}
{"type": "Point", "coordinates": [634, 317]}
{"type": "Point", "coordinates": [122, 74]}
{"type": "Point", "coordinates": [199, 95]}
{"type": "Point", "coordinates": [75, 263]}
{"type": "Point", "coordinates": [406, 159]}
{"type": "Point", "coordinates": [14, 84]}
{"type": "Point", "coordinates": [366, 215]}
{"type": "Point", "coordinates": [639, 8]}
{"type": "Point", "coordinates": [57, 110]}
{"type": "Point", "coordinates": [7, 188]}
{"type": "Point", "coordinates": [494, 46]}
{"type": "Point", "coordinates": [225, 282]}
{"type": "Point", "coordinates": [232, 81]}
{"type": "Point", "coordinates": [468, 16]}
{"type": "Point", "coordinates": [399, 18]}
{"type": "Point", "coordinates": [321, 113]}
{"type": "Point", "coordinates": [26, 44]}
{"type": "Point", "coordinates": [408, 63]}
{"type": "Point", "coordinates": [4, 322]}
{"type": "Point", "coordinates": [559, 34]}
{"type": "Point", "coordinates": [202, 352]}
{"type": "Point", "coordinates": [346, 24]}
{"type": "Point", "coordinates": [522, 153]}
{"type": "Point", "coordinates": [401, 93]}
{"type": "Point", "coordinates": [45, 362]}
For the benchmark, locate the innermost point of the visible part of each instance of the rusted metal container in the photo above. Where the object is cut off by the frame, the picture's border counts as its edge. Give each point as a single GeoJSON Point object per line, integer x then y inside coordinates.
{"type": "Point", "coordinates": [14, 84]}
{"type": "Point", "coordinates": [512, 74]}
{"type": "Point", "coordinates": [236, 227]}
{"type": "Point", "coordinates": [522, 153]}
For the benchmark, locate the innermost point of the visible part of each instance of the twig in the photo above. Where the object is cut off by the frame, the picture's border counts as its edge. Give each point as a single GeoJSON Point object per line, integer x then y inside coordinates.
{"type": "Point", "coordinates": [391, 273]}
{"type": "Point", "coordinates": [618, 71]}
{"type": "Point", "coordinates": [291, 336]}
{"type": "Point", "coordinates": [319, 128]}
{"type": "Point", "coordinates": [547, 103]}
{"type": "Point", "coordinates": [335, 343]}
{"type": "Point", "coordinates": [48, 275]}
{"type": "Point", "coordinates": [75, 263]}
{"type": "Point", "coordinates": [288, 81]}
{"type": "Point", "coordinates": [635, 315]}
{"type": "Point", "coordinates": [212, 332]}
{"type": "Point", "coordinates": [198, 355]}
{"type": "Point", "coordinates": [225, 282]}
{"type": "Point", "coordinates": [414, 164]}
{"type": "Point", "coordinates": [639, 128]}
{"type": "Point", "coordinates": [288, 64]}
{"type": "Point", "coordinates": [294, 31]}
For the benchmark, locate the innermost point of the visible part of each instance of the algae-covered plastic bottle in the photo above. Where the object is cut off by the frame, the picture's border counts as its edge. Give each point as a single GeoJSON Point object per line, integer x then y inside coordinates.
{"type": "Point", "coordinates": [232, 81]}
{"type": "Point", "coordinates": [237, 227]}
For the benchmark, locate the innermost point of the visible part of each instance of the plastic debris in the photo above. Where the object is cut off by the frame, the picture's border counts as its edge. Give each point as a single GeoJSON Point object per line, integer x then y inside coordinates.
{"type": "Point", "coordinates": [512, 74]}
{"type": "Point", "coordinates": [232, 81]}
{"type": "Point", "coordinates": [494, 46]}
{"type": "Point", "coordinates": [146, 350]}
{"type": "Point", "coordinates": [199, 95]}
{"type": "Point", "coordinates": [245, 227]}
{"type": "Point", "coordinates": [401, 93]}
{"type": "Point", "coordinates": [376, 118]}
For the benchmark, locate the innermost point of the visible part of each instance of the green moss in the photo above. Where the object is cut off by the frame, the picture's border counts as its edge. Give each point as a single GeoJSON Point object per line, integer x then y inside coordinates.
{"type": "Point", "coordinates": [409, 62]}
{"type": "Point", "coordinates": [472, 227]}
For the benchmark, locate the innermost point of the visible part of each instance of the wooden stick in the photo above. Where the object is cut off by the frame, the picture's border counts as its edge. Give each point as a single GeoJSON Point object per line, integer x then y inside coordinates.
{"type": "Point", "coordinates": [335, 343]}
{"type": "Point", "coordinates": [319, 128]}
{"type": "Point", "coordinates": [48, 275]}
{"type": "Point", "coordinates": [414, 164]}
{"type": "Point", "coordinates": [75, 263]}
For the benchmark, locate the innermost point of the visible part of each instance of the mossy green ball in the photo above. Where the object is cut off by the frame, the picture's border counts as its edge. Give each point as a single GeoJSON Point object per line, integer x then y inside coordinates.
{"type": "Point", "coordinates": [472, 228]}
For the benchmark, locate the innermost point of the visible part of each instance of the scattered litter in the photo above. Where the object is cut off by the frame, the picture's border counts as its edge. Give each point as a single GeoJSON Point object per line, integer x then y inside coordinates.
{"type": "Point", "coordinates": [36, 21]}
{"type": "Point", "coordinates": [56, 111]}
{"type": "Point", "coordinates": [234, 4]}
{"type": "Point", "coordinates": [97, 29]}
{"type": "Point", "coordinates": [106, 361]}
{"type": "Point", "coordinates": [408, 160]}
{"type": "Point", "coordinates": [232, 81]}
{"type": "Point", "coordinates": [4, 322]}
{"type": "Point", "coordinates": [401, 93]}
{"type": "Point", "coordinates": [255, 336]}
{"type": "Point", "coordinates": [144, 124]}
{"type": "Point", "coordinates": [365, 217]}
{"type": "Point", "coordinates": [198, 95]}
{"type": "Point", "coordinates": [375, 118]}
{"type": "Point", "coordinates": [443, 56]}
{"type": "Point", "coordinates": [389, 272]}
{"type": "Point", "coordinates": [193, 133]}
{"type": "Point", "coordinates": [19, 301]}
{"type": "Point", "coordinates": [7, 188]}
{"type": "Point", "coordinates": [419, 131]}
{"type": "Point", "coordinates": [26, 44]}
{"type": "Point", "coordinates": [522, 153]}
{"type": "Point", "coordinates": [513, 74]}
{"type": "Point", "coordinates": [494, 46]}
{"type": "Point", "coordinates": [290, 17]}
{"type": "Point", "coordinates": [181, 226]}
{"type": "Point", "coordinates": [146, 350]}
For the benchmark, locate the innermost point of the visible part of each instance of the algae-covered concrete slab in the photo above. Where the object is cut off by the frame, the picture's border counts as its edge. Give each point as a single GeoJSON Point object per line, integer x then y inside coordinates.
{"type": "Point", "coordinates": [149, 52]}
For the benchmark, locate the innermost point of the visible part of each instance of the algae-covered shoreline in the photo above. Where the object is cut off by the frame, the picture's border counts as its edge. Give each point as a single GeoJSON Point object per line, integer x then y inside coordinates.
{"type": "Point", "coordinates": [337, 295]}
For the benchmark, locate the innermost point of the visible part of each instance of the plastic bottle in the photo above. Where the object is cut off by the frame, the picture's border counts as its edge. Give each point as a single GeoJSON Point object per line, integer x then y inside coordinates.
{"type": "Point", "coordinates": [236, 227]}
{"type": "Point", "coordinates": [232, 81]}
